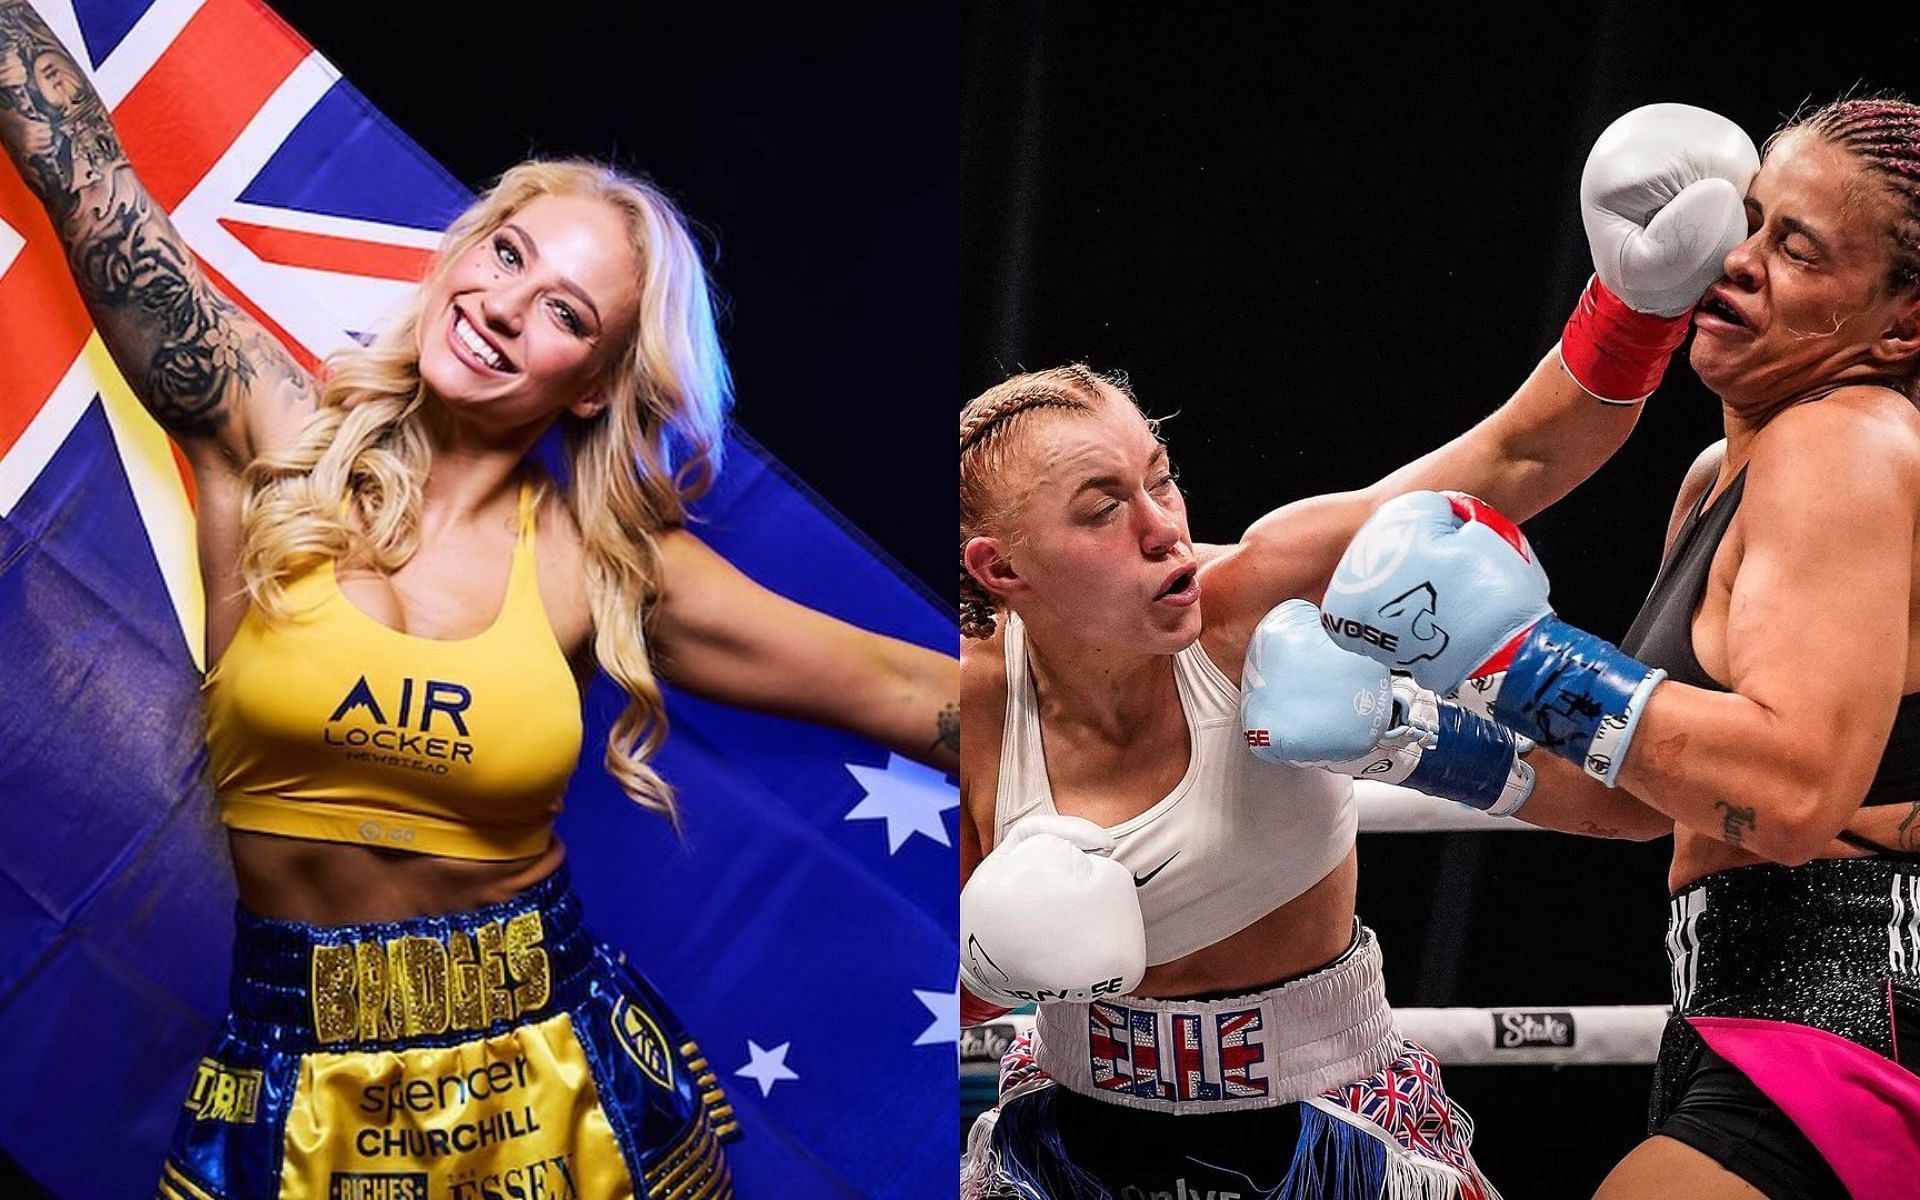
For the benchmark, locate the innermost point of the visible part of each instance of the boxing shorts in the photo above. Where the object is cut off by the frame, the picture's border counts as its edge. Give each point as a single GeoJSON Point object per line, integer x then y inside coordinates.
{"type": "Point", "coordinates": [1305, 1089]}
{"type": "Point", "coordinates": [1796, 1018]}
{"type": "Point", "coordinates": [481, 1055]}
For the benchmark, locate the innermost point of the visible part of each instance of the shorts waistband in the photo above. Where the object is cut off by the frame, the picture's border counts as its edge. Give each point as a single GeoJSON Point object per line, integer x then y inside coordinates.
{"type": "Point", "coordinates": [417, 982]}
{"type": "Point", "coordinates": [1275, 1047]}
{"type": "Point", "coordinates": [1824, 944]}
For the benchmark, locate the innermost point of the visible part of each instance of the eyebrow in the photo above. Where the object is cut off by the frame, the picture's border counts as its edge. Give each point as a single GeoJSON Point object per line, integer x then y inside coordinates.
{"type": "Point", "coordinates": [1159, 455]}
{"type": "Point", "coordinates": [533, 247]}
{"type": "Point", "coordinates": [1792, 225]}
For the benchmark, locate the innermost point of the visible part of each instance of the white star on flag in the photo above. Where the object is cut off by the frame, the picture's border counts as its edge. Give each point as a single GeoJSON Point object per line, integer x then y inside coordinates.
{"type": "Point", "coordinates": [945, 1007]}
{"type": "Point", "coordinates": [767, 1067]}
{"type": "Point", "coordinates": [909, 797]}
{"type": "Point", "coordinates": [11, 244]}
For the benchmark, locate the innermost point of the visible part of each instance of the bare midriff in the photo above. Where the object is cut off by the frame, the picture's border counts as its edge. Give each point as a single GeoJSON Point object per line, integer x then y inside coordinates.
{"type": "Point", "coordinates": [332, 883]}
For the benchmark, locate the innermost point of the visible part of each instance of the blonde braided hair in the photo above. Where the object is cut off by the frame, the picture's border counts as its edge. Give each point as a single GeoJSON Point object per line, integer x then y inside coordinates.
{"type": "Point", "coordinates": [984, 443]}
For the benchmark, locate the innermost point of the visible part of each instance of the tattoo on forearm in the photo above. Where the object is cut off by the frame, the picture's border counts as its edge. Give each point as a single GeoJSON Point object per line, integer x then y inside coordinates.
{"type": "Point", "coordinates": [126, 257]}
{"type": "Point", "coordinates": [1905, 835]}
{"type": "Point", "coordinates": [1665, 756]}
{"type": "Point", "coordinates": [949, 725]}
{"type": "Point", "coordinates": [1592, 829]}
{"type": "Point", "coordinates": [1736, 823]}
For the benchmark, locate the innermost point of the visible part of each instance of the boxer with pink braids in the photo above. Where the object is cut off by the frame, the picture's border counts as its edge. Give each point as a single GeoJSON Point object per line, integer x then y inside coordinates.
{"type": "Point", "coordinates": [1765, 705]}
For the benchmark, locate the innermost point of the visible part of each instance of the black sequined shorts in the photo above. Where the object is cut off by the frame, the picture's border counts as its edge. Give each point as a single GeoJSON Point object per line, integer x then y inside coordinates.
{"type": "Point", "coordinates": [1832, 945]}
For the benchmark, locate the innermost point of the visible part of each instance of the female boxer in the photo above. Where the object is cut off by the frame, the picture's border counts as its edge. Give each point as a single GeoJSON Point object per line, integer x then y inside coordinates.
{"type": "Point", "coordinates": [1765, 698]}
{"type": "Point", "coordinates": [1211, 1013]}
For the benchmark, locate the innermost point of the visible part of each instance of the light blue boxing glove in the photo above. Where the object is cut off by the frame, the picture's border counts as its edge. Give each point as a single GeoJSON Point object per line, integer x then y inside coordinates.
{"type": "Point", "coordinates": [1443, 586]}
{"type": "Point", "coordinates": [1306, 702]}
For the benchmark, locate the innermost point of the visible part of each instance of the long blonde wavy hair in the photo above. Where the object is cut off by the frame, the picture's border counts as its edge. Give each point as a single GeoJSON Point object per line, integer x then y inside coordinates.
{"type": "Point", "coordinates": [633, 467]}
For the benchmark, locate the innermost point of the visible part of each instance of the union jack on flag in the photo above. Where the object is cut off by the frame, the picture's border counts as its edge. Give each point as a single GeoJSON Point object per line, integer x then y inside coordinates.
{"type": "Point", "coordinates": [805, 928]}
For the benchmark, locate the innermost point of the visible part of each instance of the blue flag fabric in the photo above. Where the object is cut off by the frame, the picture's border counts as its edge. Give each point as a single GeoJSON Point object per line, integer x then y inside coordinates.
{"type": "Point", "coordinates": [804, 928]}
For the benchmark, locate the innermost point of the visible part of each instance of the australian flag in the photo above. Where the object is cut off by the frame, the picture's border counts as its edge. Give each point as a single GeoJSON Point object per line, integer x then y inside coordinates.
{"type": "Point", "coordinates": [804, 929]}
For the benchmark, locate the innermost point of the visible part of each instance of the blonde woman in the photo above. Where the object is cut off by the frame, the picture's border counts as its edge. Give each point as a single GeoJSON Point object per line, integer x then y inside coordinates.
{"type": "Point", "coordinates": [401, 612]}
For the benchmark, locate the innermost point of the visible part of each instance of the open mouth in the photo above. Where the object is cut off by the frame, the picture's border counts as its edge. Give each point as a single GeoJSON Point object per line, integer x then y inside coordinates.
{"type": "Point", "coordinates": [478, 348]}
{"type": "Point", "coordinates": [1178, 586]}
{"type": "Point", "coordinates": [1717, 306]}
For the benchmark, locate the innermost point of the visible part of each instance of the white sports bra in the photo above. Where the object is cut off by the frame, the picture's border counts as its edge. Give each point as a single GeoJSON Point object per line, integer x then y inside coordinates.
{"type": "Point", "coordinates": [1235, 839]}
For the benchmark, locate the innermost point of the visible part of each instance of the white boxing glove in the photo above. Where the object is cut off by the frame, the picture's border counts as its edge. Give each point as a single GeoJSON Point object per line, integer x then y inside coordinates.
{"type": "Point", "coordinates": [1049, 915]}
{"type": "Point", "coordinates": [1663, 199]}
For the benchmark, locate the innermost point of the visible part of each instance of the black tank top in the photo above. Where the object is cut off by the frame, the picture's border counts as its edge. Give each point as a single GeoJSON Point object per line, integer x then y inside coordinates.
{"type": "Point", "coordinates": [1662, 636]}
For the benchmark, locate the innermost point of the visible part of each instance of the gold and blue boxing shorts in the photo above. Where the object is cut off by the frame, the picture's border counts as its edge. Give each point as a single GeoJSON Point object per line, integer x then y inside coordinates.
{"type": "Point", "coordinates": [497, 1054]}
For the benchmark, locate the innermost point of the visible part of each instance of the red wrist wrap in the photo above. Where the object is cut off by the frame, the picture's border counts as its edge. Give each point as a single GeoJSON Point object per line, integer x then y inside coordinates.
{"type": "Point", "coordinates": [1615, 353]}
{"type": "Point", "coordinates": [974, 1010]}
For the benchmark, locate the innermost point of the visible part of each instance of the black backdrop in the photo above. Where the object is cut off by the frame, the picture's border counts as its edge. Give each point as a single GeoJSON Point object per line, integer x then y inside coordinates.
{"type": "Point", "coordinates": [1324, 247]}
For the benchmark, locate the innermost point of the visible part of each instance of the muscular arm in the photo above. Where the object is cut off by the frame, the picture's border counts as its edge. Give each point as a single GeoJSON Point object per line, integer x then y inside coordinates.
{"type": "Point", "coordinates": [209, 374]}
{"type": "Point", "coordinates": [1816, 637]}
{"type": "Point", "coordinates": [1568, 800]}
{"type": "Point", "coordinates": [722, 636]}
{"type": "Point", "coordinates": [1547, 438]}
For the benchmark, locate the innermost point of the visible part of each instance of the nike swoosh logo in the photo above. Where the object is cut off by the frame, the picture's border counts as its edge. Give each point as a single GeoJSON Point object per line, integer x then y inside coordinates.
{"type": "Point", "coordinates": [1141, 881]}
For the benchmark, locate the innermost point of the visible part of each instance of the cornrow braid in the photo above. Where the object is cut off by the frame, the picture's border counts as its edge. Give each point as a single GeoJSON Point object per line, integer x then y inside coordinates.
{"type": "Point", "coordinates": [984, 422]}
{"type": "Point", "coordinates": [1883, 132]}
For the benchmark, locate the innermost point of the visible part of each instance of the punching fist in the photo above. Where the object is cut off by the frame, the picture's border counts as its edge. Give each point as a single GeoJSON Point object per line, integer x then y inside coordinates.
{"type": "Point", "coordinates": [1049, 915]}
{"type": "Point", "coordinates": [1445, 587]}
{"type": "Point", "coordinates": [1663, 198]}
{"type": "Point", "coordinates": [1305, 701]}
{"type": "Point", "coordinates": [1430, 587]}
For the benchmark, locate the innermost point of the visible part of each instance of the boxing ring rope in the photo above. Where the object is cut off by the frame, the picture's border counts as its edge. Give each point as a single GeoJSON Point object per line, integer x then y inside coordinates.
{"type": "Point", "coordinates": [1574, 1035]}
{"type": "Point", "coordinates": [1385, 808]}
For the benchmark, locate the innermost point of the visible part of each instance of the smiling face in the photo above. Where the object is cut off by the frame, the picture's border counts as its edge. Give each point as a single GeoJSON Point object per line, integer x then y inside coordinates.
{"type": "Point", "coordinates": [1804, 304]}
{"type": "Point", "coordinates": [520, 326]}
{"type": "Point", "coordinates": [1093, 544]}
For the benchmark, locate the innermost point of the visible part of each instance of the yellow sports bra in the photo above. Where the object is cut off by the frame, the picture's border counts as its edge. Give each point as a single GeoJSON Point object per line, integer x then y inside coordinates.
{"type": "Point", "coordinates": [330, 725]}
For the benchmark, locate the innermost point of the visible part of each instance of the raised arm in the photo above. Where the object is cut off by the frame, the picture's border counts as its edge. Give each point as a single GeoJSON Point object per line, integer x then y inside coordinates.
{"type": "Point", "coordinates": [1661, 201]}
{"type": "Point", "coordinates": [1530, 452]}
{"type": "Point", "coordinates": [720, 635]}
{"type": "Point", "coordinates": [210, 374]}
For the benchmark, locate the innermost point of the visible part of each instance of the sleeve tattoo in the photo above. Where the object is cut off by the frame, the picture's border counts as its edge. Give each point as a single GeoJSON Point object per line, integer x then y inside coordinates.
{"type": "Point", "coordinates": [184, 347]}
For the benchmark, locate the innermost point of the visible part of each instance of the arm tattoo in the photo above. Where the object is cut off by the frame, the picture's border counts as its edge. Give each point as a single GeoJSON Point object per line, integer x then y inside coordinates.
{"type": "Point", "coordinates": [179, 341]}
{"type": "Point", "coordinates": [949, 723]}
{"type": "Point", "coordinates": [1906, 836]}
{"type": "Point", "coordinates": [1665, 756]}
{"type": "Point", "coordinates": [1735, 823]}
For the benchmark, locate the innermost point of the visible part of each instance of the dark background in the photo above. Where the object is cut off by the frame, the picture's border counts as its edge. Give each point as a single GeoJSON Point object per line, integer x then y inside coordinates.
{"type": "Point", "coordinates": [1324, 249]}
{"type": "Point", "coordinates": [816, 148]}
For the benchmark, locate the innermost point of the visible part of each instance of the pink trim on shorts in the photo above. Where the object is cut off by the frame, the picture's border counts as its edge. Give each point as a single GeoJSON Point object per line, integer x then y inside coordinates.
{"type": "Point", "coordinates": [1860, 1109]}
{"type": "Point", "coordinates": [1893, 1027]}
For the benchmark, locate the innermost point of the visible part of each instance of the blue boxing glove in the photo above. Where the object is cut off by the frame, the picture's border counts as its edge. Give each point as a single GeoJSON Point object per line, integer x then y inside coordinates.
{"type": "Point", "coordinates": [1441, 585]}
{"type": "Point", "coordinates": [1306, 702]}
